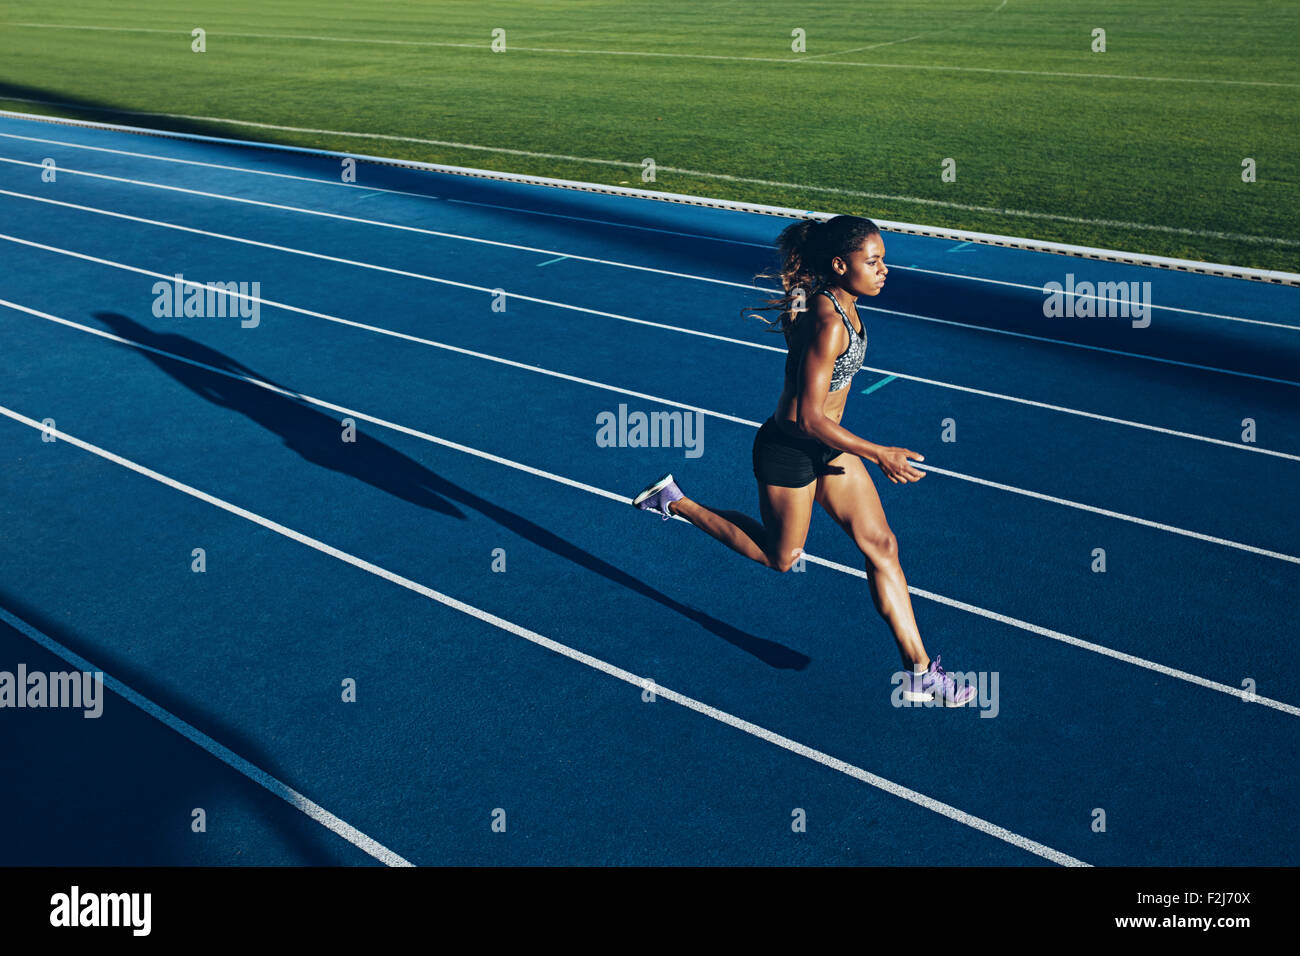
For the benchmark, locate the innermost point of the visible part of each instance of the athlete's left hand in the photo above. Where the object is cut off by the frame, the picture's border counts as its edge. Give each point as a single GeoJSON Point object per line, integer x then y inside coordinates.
{"type": "Point", "coordinates": [894, 463]}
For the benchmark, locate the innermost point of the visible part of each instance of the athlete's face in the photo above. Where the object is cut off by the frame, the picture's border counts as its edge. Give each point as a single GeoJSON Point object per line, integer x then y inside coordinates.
{"type": "Point", "coordinates": [864, 270]}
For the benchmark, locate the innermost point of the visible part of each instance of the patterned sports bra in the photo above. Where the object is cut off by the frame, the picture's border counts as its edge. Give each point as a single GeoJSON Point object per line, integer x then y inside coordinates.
{"type": "Point", "coordinates": [849, 361]}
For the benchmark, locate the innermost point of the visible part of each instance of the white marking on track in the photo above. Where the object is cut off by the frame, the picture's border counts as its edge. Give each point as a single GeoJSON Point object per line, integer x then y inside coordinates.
{"type": "Point", "coordinates": [595, 663]}
{"type": "Point", "coordinates": [510, 245]}
{"type": "Point", "coordinates": [572, 378]}
{"type": "Point", "coordinates": [1136, 661]}
{"type": "Point", "coordinates": [622, 499]}
{"type": "Point", "coordinates": [1081, 345]}
{"type": "Point", "coordinates": [560, 305]}
{"type": "Point", "coordinates": [1117, 515]}
{"type": "Point", "coordinates": [227, 756]}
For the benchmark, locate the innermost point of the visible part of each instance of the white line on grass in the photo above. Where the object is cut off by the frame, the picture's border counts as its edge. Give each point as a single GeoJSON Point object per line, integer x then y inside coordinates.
{"type": "Point", "coordinates": [754, 730]}
{"type": "Point", "coordinates": [611, 496]}
{"type": "Point", "coordinates": [484, 47]}
{"type": "Point", "coordinates": [224, 754]}
{"type": "Point", "coordinates": [723, 177]}
{"type": "Point", "coordinates": [510, 245]}
{"type": "Point", "coordinates": [917, 36]}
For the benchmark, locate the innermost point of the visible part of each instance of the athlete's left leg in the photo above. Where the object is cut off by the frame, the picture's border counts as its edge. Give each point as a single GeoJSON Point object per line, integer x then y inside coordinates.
{"type": "Point", "coordinates": [850, 498]}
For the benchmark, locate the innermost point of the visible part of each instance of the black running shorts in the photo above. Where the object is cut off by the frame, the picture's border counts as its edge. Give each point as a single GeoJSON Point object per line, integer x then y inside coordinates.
{"type": "Point", "coordinates": [786, 460]}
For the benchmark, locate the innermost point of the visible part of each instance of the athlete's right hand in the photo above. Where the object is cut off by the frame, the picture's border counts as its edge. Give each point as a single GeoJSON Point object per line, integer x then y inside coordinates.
{"type": "Point", "coordinates": [894, 463]}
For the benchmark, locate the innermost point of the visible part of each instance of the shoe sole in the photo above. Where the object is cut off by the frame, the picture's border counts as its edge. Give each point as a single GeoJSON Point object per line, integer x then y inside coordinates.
{"type": "Point", "coordinates": [917, 697]}
{"type": "Point", "coordinates": [653, 490]}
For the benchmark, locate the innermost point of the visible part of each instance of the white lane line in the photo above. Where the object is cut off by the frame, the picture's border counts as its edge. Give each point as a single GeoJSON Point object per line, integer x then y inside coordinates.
{"type": "Point", "coordinates": [698, 173]}
{"type": "Point", "coordinates": [222, 166]}
{"type": "Point", "coordinates": [1080, 345]}
{"type": "Point", "coordinates": [754, 730]}
{"type": "Point", "coordinates": [1083, 414]}
{"type": "Point", "coordinates": [464, 202]}
{"type": "Point", "coordinates": [1240, 693]}
{"type": "Point", "coordinates": [350, 262]}
{"type": "Point", "coordinates": [623, 499]}
{"type": "Point", "coordinates": [224, 754]}
{"type": "Point", "coordinates": [509, 245]}
{"type": "Point", "coordinates": [589, 382]}
{"type": "Point", "coordinates": [560, 305]}
{"type": "Point", "coordinates": [1096, 298]}
{"type": "Point", "coordinates": [397, 335]}
{"type": "Point", "coordinates": [1118, 516]}
{"type": "Point", "coordinates": [484, 47]}
{"type": "Point", "coordinates": [613, 224]}
{"type": "Point", "coordinates": [735, 341]}
{"type": "Point", "coordinates": [321, 403]}
{"type": "Point", "coordinates": [342, 217]}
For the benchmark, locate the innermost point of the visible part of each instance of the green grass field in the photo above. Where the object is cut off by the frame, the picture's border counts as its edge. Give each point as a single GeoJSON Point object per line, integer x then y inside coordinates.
{"type": "Point", "coordinates": [1147, 157]}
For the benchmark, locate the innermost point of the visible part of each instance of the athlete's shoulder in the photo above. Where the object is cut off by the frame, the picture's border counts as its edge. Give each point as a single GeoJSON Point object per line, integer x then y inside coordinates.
{"type": "Point", "coordinates": [826, 318]}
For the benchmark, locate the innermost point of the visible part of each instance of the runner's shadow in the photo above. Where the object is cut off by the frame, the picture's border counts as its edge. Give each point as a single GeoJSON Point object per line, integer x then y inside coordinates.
{"type": "Point", "coordinates": [316, 436]}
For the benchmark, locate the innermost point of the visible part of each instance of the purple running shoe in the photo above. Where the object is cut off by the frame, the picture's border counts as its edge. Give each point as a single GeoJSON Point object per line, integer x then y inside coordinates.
{"type": "Point", "coordinates": [937, 684]}
{"type": "Point", "coordinates": [657, 496]}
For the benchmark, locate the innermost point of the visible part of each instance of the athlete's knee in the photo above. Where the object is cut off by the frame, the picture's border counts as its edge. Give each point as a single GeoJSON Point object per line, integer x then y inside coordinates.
{"type": "Point", "coordinates": [879, 547]}
{"type": "Point", "coordinates": [784, 563]}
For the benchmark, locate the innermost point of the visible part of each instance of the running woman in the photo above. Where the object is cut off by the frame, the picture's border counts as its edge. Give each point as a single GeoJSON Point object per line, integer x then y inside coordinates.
{"type": "Point", "coordinates": [802, 454]}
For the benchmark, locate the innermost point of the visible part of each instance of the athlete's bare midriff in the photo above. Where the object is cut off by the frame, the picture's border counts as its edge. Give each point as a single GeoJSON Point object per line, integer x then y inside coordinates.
{"type": "Point", "coordinates": [787, 409]}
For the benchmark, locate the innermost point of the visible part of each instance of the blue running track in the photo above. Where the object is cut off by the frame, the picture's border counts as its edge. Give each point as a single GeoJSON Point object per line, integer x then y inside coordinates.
{"type": "Point", "coordinates": [525, 647]}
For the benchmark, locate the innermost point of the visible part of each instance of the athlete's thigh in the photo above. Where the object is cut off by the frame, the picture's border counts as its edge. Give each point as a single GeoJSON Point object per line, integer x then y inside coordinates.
{"type": "Point", "coordinates": [786, 513]}
{"type": "Point", "coordinates": [851, 499]}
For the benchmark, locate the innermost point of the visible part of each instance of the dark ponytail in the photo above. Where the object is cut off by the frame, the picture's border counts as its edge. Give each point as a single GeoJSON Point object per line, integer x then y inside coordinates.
{"type": "Point", "coordinates": [806, 249]}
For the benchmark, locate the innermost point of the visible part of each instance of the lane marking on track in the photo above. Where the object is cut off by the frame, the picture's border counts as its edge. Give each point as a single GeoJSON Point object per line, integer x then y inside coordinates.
{"type": "Point", "coordinates": [227, 756]}
{"type": "Point", "coordinates": [728, 339]}
{"type": "Point", "coordinates": [562, 305]}
{"type": "Point", "coordinates": [510, 245]}
{"type": "Point", "coordinates": [611, 496]}
{"type": "Point", "coordinates": [754, 730]}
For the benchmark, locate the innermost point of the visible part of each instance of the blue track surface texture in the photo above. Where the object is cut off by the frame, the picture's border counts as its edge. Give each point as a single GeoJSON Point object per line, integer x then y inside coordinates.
{"type": "Point", "coordinates": [470, 562]}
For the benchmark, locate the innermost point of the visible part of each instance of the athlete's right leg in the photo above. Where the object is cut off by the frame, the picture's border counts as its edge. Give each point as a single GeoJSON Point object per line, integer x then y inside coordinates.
{"type": "Point", "coordinates": [776, 542]}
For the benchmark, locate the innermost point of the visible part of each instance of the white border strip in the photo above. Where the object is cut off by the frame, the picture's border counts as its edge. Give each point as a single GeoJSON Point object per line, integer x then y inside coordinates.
{"type": "Point", "coordinates": [462, 237]}
{"type": "Point", "coordinates": [936, 232]}
{"type": "Point", "coordinates": [224, 754]}
{"type": "Point", "coordinates": [880, 783]}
